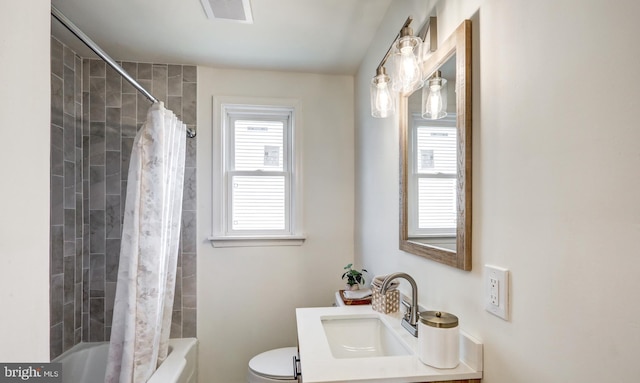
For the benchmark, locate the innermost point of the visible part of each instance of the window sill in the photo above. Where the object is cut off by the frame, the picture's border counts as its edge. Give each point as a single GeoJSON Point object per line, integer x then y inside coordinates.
{"type": "Point", "coordinates": [257, 241]}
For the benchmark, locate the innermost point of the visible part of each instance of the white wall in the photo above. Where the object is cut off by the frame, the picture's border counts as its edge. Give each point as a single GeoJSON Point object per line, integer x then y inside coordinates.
{"type": "Point", "coordinates": [24, 170]}
{"type": "Point", "coordinates": [247, 296]}
{"type": "Point", "coordinates": [556, 161]}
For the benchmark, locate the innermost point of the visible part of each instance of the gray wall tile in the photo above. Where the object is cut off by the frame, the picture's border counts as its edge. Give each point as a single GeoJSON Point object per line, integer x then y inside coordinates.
{"type": "Point", "coordinates": [97, 188]}
{"type": "Point", "coordinates": [189, 194]}
{"type": "Point", "coordinates": [188, 231]}
{"type": "Point", "coordinates": [188, 301]}
{"type": "Point", "coordinates": [69, 88]}
{"type": "Point", "coordinates": [57, 150]}
{"type": "Point", "coordinates": [56, 57]}
{"type": "Point", "coordinates": [69, 136]}
{"type": "Point", "coordinates": [69, 276]}
{"type": "Point", "coordinates": [57, 200]}
{"type": "Point", "coordinates": [55, 340]}
{"type": "Point", "coordinates": [113, 89]}
{"type": "Point", "coordinates": [112, 173]}
{"type": "Point", "coordinates": [97, 143]}
{"type": "Point", "coordinates": [159, 84]}
{"type": "Point", "coordinates": [112, 257]}
{"type": "Point", "coordinates": [57, 250]}
{"type": "Point", "coordinates": [78, 82]}
{"type": "Point", "coordinates": [189, 326]}
{"type": "Point", "coordinates": [144, 72]}
{"type": "Point", "coordinates": [97, 232]}
{"type": "Point", "coordinates": [132, 70]}
{"type": "Point", "coordinates": [176, 324]}
{"type": "Point", "coordinates": [97, 96]}
{"type": "Point", "coordinates": [189, 73]}
{"type": "Point", "coordinates": [57, 298]}
{"type": "Point", "coordinates": [69, 185]}
{"type": "Point", "coordinates": [174, 81]}
{"type": "Point", "coordinates": [57, 100]}
{"type": "Point", "coordinates": [69, 57]}
{"type": "Point", "coordinates": [97, 68]}
{"type": "Point", "coordinates": [191, 150]}
{"type": "Point", "coordinates": [68, 326]}
{"type": "Point", "coordinates": [96, 273]}
{"type": "Point", "coordinates": [96, 320]}
{"type": "Point", "coordinates": [113, 129]}
{"type": "Point", "coordinates": [129, 115]}
{"type": "Point", "coordinates": [95, 116]}
{"type": "Point", "coordinates": [112, 217]}
{"type": "Point", "coordinates": [78, 303]}
{"type": "Point", "coordinates": [174, 103]}
{"type": "Point", "coordinates": [189, 103]}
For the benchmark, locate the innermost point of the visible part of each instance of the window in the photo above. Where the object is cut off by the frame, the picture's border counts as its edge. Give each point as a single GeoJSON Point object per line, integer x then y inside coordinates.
{"type": "Point", "coordinates": [432, 177]}
{"type": "Point", "coordinates": [258, 178]}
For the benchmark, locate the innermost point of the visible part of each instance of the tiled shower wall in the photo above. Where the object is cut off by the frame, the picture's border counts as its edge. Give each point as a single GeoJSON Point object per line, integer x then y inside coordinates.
{"type": "Point", "coordinates": [107, 113]}
{"type": "Point", "coordinates": [66, 237]}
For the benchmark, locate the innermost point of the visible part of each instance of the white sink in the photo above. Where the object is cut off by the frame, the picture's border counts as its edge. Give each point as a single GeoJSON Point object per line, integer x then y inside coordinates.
{"type": "Point", "coordinates": [361, 337]}
{"type": "Point", "coordinates": [357, 344]}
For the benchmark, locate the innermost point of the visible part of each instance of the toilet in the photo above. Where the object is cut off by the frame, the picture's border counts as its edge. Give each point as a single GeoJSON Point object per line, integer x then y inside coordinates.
{"type": "Point", "coordinates": [273, 366]}
{"type": "Point", "coordinates": [276, 365]}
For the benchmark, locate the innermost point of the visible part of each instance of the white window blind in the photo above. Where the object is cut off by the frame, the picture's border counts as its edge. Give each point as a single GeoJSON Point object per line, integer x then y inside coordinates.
{"type": "Point", "coordinates": [432, 180]}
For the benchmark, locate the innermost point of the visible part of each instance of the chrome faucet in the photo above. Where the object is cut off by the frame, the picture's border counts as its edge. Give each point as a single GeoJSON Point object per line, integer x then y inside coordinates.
{"type": "Point", "coordinates": [410, 319]}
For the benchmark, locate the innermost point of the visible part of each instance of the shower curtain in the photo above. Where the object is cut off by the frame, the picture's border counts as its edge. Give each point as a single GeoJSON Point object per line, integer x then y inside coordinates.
{"type": "Point", "coordinates": [149, 249]}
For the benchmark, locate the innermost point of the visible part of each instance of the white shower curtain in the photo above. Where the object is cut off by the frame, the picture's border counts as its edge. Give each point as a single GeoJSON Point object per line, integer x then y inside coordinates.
{"type": "Point", "coordinates": [149, 249]}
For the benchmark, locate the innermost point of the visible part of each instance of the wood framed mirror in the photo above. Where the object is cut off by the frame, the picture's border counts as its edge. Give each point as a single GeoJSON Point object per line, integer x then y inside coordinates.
{"type": "Point", "coordinates": [435, 161]}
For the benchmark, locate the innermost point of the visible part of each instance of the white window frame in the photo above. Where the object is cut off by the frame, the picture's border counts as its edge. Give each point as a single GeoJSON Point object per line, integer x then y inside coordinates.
{"type": "Point", "coordinates": [225, 110]}
{"type": "Point", "coordinates": [413, 178]}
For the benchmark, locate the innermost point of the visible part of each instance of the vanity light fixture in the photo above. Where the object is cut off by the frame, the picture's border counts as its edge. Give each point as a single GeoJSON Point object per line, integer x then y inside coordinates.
{"type": "Point", "coordinates": [434, 97]}
{"type": "Point", "coordinates": [407, 52]}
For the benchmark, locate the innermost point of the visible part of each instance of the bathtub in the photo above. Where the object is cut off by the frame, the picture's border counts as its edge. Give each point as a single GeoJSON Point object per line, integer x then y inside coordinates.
{"type": "Point", "coordinates": [87, 363]}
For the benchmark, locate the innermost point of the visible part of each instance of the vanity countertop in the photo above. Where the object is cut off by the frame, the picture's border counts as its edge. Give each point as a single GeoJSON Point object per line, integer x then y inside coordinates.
{"type": "Point", "coordinates": [319, 365]}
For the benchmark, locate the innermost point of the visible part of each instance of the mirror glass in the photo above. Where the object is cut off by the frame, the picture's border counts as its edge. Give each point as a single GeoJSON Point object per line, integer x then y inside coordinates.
{"type": "Point", "coordinates": [435, 203]}
{"type": "Point", "coordinates": [432, 168]}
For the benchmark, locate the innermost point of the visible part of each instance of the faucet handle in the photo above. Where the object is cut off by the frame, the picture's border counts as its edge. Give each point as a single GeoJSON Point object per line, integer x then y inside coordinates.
{"type": "Point", "coordinates": [407, 306]}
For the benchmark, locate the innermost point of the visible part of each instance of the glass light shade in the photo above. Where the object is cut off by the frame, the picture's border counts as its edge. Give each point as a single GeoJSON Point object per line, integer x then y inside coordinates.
{"type": "Point", "coordinates": [434, 97]}
{"type": "Point", "coordinates": [382, 102]}
{"type": "Point", "coordinates": [407, 64]}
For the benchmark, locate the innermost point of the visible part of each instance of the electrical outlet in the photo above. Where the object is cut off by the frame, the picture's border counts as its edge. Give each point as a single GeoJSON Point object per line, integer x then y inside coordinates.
{"type": "Point", "coordinates": [494, 291]}
{"type": "Point", "coordinates": [497, 291]}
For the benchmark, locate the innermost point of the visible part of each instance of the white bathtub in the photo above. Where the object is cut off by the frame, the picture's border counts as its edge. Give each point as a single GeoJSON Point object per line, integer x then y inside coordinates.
{"type": "Point", "coordinates": [87, 363]}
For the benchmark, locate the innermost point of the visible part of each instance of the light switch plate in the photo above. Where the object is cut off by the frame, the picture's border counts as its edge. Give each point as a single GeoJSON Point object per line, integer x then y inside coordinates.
{"type": "Point", "coordinates": [497, 291]}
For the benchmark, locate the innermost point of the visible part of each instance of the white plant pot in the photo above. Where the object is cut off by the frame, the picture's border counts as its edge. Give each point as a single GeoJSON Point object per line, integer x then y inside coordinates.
{"type": "Point", "coordinates": [349, 287]}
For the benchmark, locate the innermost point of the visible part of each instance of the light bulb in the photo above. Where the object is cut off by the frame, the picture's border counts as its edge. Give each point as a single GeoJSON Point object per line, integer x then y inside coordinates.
{"type": "Point", "coordinates": [434, 97]}
{"type": "Point", "coordinates": [410, 71]}
{"type": "Point", "coordinates": [407, 74]}
{"type": "Point", "coordinates": [382, 103]}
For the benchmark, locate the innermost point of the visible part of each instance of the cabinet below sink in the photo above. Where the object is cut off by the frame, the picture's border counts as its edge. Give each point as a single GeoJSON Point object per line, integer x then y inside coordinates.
{"type": "Point", "coordinates": [356, 343]}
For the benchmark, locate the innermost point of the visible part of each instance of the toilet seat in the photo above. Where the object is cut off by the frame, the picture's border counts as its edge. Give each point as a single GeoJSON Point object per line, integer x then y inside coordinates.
{"type": "Point", "coordinates": [274, 364]}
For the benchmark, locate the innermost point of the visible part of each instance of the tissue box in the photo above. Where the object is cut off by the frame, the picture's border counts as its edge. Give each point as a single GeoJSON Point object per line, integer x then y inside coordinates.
{"type": "Point", "coordinates": [387, 303]}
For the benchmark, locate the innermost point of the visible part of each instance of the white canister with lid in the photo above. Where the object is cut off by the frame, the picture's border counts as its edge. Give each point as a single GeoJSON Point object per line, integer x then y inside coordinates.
{"type": "Point", "coordinates": [438, 339]}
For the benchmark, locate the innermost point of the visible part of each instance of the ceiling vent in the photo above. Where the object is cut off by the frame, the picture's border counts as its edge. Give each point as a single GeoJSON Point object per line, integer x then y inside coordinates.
{"type": "Point", "coordinates": [234, 10]}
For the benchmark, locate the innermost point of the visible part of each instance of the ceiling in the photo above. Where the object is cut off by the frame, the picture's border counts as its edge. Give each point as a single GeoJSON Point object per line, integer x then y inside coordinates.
{"type": "Point", "coordinates": [315, 36]}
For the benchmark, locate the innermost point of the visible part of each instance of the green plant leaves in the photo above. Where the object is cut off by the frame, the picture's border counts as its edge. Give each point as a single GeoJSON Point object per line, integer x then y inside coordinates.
{"type": "Point", "coordinates": [353, 276]}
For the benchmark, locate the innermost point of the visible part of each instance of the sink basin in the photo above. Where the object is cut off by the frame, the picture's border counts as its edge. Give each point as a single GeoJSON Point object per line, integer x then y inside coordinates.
{"type": "Point", "coordinates": [361, 337]}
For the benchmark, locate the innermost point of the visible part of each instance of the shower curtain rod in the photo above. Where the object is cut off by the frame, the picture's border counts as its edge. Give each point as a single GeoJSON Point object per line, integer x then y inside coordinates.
{"type": "Point", "coordinates": [191, 133]}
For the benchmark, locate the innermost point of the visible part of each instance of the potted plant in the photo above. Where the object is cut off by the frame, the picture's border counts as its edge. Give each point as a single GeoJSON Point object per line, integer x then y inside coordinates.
{"type": "Point", "coordinates": [354, 277]}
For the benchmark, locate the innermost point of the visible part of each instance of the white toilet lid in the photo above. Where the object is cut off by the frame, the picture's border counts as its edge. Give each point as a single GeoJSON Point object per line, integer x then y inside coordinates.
{"type": "Point", "coordinates": [274, 364]}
